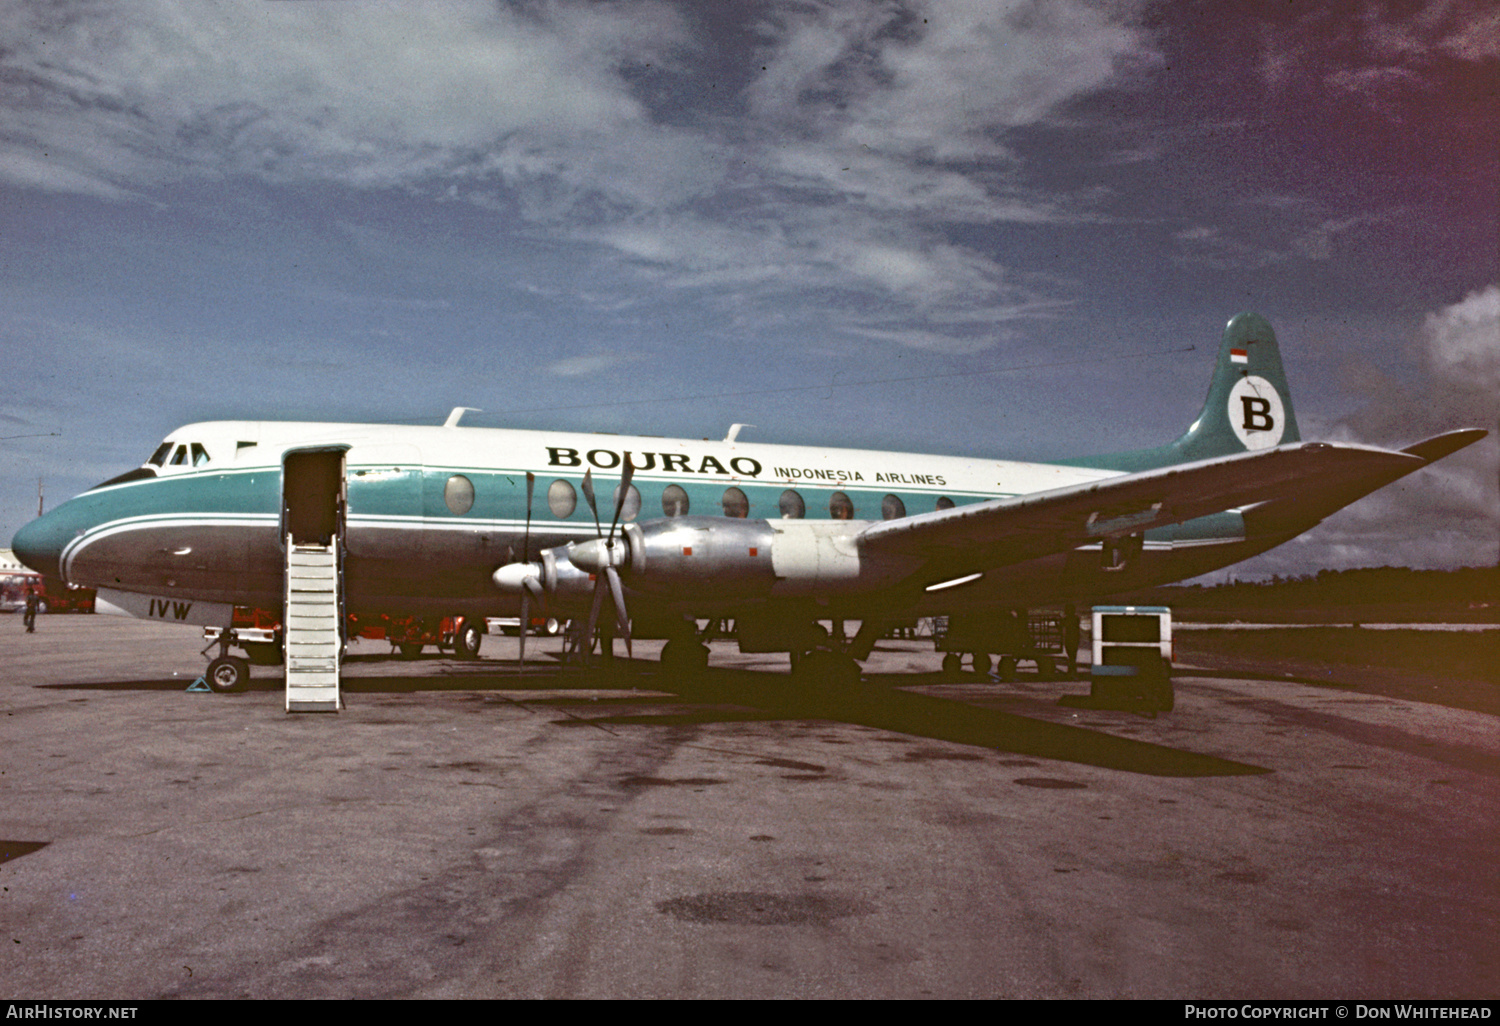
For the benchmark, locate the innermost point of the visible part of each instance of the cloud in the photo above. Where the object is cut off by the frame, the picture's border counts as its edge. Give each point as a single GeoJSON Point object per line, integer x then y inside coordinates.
{"type": "Point", "coordinates": [1379, 56]}
{"type": "Point", "coordinates": [1475, 36]}
{"type": "Point", "coordinates": [1444, 515]}
{"type": "Point", "coordinates": [938, 77]}
{"type": "Point", "coordinates": [367, 93]}
{"type": "Point", "coordinates": [586, 366]}
{"type": "Point", "coordinates": [872, 130]}
{"type": "Point", "coordinates": [1462, 344]}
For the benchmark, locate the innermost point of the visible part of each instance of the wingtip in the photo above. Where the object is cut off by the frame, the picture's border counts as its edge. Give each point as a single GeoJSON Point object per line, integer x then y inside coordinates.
{"type": "Point", "coordinates": [1447, 443]}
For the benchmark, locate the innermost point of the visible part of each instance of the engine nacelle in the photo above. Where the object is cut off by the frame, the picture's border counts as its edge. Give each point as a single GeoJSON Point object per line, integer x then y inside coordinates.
{"type": "Point", "coordinates": [732, 559]}
{"type": "Point", "coordinates": [693, 554]}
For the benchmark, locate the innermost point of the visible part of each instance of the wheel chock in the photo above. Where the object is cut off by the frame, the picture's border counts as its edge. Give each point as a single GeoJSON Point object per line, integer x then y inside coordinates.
{"type": "Point", "coordinates": [200, 685]}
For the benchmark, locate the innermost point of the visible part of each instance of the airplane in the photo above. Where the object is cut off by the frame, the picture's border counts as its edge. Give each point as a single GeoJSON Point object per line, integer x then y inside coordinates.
{"type": "Point", "coordinates": [444, 521]}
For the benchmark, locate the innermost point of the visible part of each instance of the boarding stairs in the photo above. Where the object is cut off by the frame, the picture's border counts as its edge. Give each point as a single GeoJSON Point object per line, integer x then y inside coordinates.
{"type": "Point", "coordinates": [311, 626]}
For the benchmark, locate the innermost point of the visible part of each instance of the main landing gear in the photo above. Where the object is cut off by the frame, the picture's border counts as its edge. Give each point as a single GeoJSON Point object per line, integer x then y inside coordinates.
{"type": "Point", "coordinates": [825, 668]}
{"type": "Point", "coordinates": [684, 656]}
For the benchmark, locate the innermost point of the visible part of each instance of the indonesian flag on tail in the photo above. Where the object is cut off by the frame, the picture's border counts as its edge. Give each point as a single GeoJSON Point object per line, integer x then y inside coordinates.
{"type": "Point", "coordinates": [1239, 356]}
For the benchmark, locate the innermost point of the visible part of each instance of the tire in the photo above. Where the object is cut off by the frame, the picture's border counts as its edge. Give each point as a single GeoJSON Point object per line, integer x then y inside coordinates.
{"type": "Point", "coordinates": [553, 627]}
{"type": "Point", "coordinates": [680, 657]}
{"type": "Point", "coordinates": [42, 607]}
{"type": "Point", "coordinates": [1008, 668]}
{"type": "Point", "coordinates": [467, 641]}
{"type": "Point", "coordinates": [982, 662]}
{"type": "Point", "coordinates": [953, 665]}
{"type": "Point", "coordinates": [227, 675]}
{"type": "Point", "coordinates": [1046, 669]}
{"type": "Point", "coordinates": [827, 669]}
{"type": "Point", "coordinates": [410, 649]}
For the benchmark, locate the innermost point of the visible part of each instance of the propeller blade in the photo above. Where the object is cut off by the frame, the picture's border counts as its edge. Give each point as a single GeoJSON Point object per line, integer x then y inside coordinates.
{"type": "Point", "coordinates": [525, 626]}
{"type": "Point", "coordinates": [588, 636]}
{"type": "Point", "coordinates": [588, 493]}
{"type": "Point", "coordinates": [621, 494]}
{"type": "Point", "coordinates": [617, 591]}
{"type": "Point", "coordinates": [526, 538]}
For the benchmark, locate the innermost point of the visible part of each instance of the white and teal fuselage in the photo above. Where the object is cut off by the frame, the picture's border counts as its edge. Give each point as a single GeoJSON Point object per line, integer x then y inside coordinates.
{"type": "Point", "coordinates": [213, 533]}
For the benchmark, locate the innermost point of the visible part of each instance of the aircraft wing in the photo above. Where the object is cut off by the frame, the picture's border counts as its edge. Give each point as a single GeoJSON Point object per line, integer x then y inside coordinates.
{"type": "Point", "coordinates": [997, 533]}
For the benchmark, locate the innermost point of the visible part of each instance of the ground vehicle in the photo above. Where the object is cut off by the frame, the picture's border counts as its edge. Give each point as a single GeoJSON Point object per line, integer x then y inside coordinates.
{"type": "Point", "coordinates": [1132, 657]}
{"type": "Point", "coordinates": [410, 634]}
{"type": "Point", "coordinates": [54, 599]}
{"type": "Point", "coordinates": [1018, 635]}
{"type": "Point", "coordinates": [545, 626]}
{"type": "Point", "coordinates": [259, 632]}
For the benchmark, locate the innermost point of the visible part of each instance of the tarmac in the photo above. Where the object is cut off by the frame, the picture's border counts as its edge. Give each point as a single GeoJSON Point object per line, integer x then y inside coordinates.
{"type": "Point", "coordinates": [475, 830]}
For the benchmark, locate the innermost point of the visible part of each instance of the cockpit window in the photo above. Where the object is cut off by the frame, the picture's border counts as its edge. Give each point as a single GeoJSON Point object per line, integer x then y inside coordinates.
{"type": "Point", "coordinates": [179, 457]}
{"type": "Point", "coordinates": [160, 455]}
{"type": "Point", "coordinates": [200, 455]}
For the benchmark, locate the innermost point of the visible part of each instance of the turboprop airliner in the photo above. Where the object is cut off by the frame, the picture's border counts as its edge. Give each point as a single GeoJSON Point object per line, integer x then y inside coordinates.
{"type": "Point", "coordinates": [317, 522]}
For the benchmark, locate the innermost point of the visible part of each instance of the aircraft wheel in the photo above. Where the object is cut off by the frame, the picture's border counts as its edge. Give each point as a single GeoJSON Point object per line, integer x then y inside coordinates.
{"type": "Point", "coordinates": [953, 665]}
{"type": "Point", "coordinates": [1007, 668]}
{"type": "Point", "coordinates": [467, 641]}
{"type": "Point", "coordinates": [823, 668]}
{"type": "Point", "coordinates": [228, 674]}
{"type": "Point", "coordinates": [681, 657]}
{"type": "Point", "coordinates": [410, 649]}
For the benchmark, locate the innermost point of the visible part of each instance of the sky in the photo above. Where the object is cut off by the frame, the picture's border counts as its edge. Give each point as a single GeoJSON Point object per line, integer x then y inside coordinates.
{"type": "Point", "coordinates": [987, 228]}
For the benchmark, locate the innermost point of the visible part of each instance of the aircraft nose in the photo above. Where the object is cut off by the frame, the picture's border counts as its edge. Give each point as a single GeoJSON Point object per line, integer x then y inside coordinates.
{"type": "Point", "coordinates": [39, 545]}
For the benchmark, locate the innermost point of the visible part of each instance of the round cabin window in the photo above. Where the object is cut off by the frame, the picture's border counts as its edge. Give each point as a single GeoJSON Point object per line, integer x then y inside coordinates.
{"type": "Point", "coordinates": [632, 507]}
{"type": "Point", "coordinates": [840, 507]}
{"type": "Point", "coordinates": [792, 506]}
{"type": "Point", "coordinates": [736, 503]}
{"type": "Point", "coordinates": [892, 508]}
{"type": "Point", "coordinates": [458, 493]}
{"type": "Point", "coordinates": [561, 499]}
{"type": "Point", "coordinates": [674, 501]}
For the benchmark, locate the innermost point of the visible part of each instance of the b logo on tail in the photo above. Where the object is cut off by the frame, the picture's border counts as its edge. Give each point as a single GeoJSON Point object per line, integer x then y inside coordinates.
{"type": "Point", "coordinates": [1255, 413]}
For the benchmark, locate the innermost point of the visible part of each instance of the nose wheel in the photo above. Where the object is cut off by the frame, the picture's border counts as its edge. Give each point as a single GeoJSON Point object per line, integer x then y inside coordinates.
{"type": "Point", "coordinates": [227, 674]}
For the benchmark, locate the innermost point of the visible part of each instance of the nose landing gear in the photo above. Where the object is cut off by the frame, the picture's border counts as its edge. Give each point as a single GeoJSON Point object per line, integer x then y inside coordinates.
{"type": "Point", "coordinates": [227, 674]}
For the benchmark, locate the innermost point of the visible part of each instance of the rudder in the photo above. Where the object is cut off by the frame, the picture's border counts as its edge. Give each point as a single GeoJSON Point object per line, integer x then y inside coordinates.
{"type": "Point", "coordinates": [1249, 406]}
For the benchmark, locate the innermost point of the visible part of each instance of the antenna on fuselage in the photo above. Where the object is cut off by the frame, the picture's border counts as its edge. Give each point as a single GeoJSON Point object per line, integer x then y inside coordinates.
{"type": "Point", "coordinates": [458, 415]}
{"type": "Point", "coordinates": [734, 431]}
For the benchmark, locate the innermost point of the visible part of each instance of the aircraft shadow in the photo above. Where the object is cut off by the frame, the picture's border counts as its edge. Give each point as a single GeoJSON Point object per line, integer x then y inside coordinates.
{"type": "Point", "coordinates": [879, 705]}
{"type": "Point", "coordinates": [723, 695]}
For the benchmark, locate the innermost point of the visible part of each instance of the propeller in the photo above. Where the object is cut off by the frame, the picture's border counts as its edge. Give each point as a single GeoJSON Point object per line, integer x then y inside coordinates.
{"type": "Point", "coordinates": [577, 569]}
{"type": "Point", "coordinates": [607, 574]}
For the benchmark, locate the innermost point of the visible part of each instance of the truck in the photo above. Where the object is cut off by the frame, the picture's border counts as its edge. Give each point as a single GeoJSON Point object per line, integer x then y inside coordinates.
{"type": "Point", "coordinates": [53, 595]}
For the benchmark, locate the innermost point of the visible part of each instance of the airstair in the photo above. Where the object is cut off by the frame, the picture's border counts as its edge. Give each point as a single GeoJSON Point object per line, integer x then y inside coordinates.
{"type": "Point", "coordinates": [311, 626]}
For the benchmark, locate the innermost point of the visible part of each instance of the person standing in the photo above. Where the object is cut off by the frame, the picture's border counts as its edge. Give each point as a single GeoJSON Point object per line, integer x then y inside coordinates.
{"type": "Point", "coordinates": [1071, 636]}
{"type": "Point", "coordinates": [32, 602]}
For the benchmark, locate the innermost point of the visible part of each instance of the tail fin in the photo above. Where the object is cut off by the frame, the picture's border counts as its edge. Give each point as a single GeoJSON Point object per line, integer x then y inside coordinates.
{"type": "Point", "coordinates": [1249, 406]}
